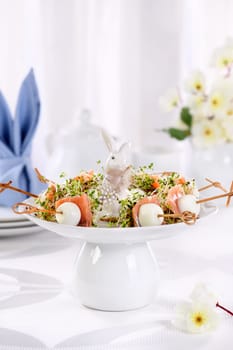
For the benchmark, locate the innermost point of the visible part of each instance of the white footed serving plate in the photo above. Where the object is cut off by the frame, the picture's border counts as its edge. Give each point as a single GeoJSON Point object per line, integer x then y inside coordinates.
{"type": "Point", "coordinates": [116, 269]}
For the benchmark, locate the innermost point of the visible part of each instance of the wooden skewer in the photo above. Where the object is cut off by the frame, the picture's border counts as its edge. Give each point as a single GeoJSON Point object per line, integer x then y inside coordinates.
{"type": "Point", "coordinates": [187, 217]}
{"type": "Point", "coordinates": [42, 178]}
{"type": "Point", "coordinates": [205, 187]}
{"type": "Point", "coordinates": [30, 209]}
{"type": "Point", "coordinates": [229, 197]}
{"type": "Point", "coordinates": [204, 200]}
{"type": "Point", "coordinates": [212, 184]}
{"type": "Point", "coordinates": [109, 219]}
{"type": "Point", "coordinates": [4, 186]}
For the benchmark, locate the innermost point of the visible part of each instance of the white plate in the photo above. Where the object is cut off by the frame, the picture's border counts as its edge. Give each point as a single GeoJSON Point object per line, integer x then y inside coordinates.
{"type": "Point", "coordinates": [7, 215]}
{"type": "Point", "coordinates": [14, 224]}
{"type": "Point", "coordinates": [6, 232]}
{"type": "Point", "coordinates": [118, 235]}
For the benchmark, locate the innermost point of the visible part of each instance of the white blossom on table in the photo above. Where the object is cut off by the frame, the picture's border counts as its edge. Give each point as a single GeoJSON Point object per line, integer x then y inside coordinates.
{"type": "Point", "coordinates": [198, 314]}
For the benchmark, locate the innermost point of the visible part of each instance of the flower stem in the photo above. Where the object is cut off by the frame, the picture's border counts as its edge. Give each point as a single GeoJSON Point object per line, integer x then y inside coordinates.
{"type": "Point", "coordinates": [224, 309]}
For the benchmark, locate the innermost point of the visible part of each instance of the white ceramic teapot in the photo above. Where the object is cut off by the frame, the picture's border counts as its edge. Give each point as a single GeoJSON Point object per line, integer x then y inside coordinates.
{"type": "Point", "coordinates": [79, 147]}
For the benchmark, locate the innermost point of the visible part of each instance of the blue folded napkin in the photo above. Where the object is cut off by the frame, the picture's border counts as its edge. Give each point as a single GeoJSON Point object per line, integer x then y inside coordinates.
{"type": "Point", "coordinates": [15, 142]}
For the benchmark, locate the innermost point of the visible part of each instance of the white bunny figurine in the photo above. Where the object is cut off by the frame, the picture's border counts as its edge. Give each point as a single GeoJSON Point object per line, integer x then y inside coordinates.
{"type": "Point", "coordinates": [117, 173]}
{"type": "Point", "coordinates": [117, 168]}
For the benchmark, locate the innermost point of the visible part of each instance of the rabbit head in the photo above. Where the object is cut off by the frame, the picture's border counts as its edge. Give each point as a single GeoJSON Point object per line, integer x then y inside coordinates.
{"type": "Point", "coordinates": [119, 157]}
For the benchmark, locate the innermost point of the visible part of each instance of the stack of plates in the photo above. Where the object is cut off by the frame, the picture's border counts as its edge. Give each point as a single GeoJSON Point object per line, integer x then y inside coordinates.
{"type": "Point", "coordinates": [12, 224]}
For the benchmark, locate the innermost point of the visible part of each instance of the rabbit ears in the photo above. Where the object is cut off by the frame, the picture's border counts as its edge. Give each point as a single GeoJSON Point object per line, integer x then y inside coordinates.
{"type": "Point", "coordinates": [111, 143]}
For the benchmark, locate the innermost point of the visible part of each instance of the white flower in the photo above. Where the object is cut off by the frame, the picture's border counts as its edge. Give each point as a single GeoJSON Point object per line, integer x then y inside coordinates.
{"type": "Point", "coordinates": [203, 294]}
{"type": "Point", "coordinates": [229, 110]}
{"type": "Point", "coordinates": [195, 317]}
{"type": "Point", "coordinates": [221, 97]}
{"type": "Point", "coordinates": [217, 103]}
{"type": "Point", "coordinates": [197, 106]}
{"type": "Point", "coordinates": [207, 133]}
{"type": "Point", "coordinates": [222, 57]}
{"type": "Point", "coordinates": [170, 101]}
{"type": "Point", "coordinates": [195, 84]}
{"type": "Point", "coordinates": [225, 85]}
{"type": "Point", "coordinates": [211, 107]}
{"type": "Point", "coordinates": [227, 124]}
{"type": "Point", "coordinates": [199, 314]}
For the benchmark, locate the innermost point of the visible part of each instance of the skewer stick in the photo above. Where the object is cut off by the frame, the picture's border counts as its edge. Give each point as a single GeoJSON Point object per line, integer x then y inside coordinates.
{"type": "Point", "coordinates": [204, 200]}
{"type": "Point", "coordinates": [2, 189]}
{"type": "Point", "coordinates": [109, 219]}
{"type": "Point", "coordinates": [212, 184]}
{"type": "Point", "coordinates": [42, 178]}
{"type": "Point", "coordinates": [229, 197]}
{"type": "Point", "coordinates": [5, 186]}
{"type": "Point", "coordinates": [187, 217]}
{"type": "Point", "coordinates": [30, 209]}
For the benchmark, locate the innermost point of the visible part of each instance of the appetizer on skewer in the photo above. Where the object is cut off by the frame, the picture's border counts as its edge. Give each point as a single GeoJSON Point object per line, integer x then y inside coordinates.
{"type": "Point", "coordinates": [121, 196]}
{"type": "Point", "coordinates": [151, 199]}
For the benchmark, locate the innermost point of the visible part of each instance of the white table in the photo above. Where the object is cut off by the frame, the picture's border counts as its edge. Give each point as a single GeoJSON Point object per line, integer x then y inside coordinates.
{"type": "Point", "coordinates": [43, 314]}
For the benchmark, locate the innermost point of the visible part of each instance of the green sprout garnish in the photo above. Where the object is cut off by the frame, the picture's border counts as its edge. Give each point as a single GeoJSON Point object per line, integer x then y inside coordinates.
{"type": "Point", "coordinates": [142, 185]}
{"type": "Point", "coordinates": [62, 175]}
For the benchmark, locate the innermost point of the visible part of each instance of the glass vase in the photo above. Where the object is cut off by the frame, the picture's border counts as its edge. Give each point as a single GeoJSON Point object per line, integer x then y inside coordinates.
{"type": "Point", "coordinates": [215, 163]}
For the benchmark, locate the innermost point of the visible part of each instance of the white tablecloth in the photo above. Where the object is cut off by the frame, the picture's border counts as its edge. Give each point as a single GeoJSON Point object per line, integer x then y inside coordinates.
{"type": "Point", "coordinates": [38, 311]}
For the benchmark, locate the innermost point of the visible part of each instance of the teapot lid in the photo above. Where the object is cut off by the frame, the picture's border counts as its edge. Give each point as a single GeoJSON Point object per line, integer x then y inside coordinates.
{"type": "Point", "coordinates": [84, 126]}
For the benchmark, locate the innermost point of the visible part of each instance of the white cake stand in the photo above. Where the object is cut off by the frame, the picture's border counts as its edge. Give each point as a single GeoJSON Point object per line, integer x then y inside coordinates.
{"type": "Point", "coordinates": [116, 269]}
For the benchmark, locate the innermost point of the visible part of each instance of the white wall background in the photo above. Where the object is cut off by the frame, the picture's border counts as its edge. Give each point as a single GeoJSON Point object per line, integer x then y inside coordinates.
{"type": "Point", "coordinates": [115, 57]}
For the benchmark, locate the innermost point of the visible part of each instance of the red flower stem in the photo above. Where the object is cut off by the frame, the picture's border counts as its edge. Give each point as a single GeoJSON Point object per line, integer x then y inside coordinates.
{"type": "Point", "coordinates": [223, 308]}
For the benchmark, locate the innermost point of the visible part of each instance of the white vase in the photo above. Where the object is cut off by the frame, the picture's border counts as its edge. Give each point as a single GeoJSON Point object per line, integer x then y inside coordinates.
{"type": "Point", "coordinates": [214, 163]}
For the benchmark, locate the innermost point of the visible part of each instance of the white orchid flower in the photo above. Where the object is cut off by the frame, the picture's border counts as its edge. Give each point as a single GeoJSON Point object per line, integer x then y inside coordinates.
{"type": "Point", "coordinates": [170, 101]}
{"type": "Point", "coordinates": [195, 84]}
{"type": "Point", "coordinates": [207, 133]}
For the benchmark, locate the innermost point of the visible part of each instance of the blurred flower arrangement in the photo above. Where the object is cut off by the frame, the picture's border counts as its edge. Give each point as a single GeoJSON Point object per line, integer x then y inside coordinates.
{"type": "Point", "coordinates": [205, 109]}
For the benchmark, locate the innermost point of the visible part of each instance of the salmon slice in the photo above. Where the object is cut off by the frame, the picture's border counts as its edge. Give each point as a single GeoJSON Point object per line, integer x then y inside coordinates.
{"type": "Point", "coordinates": [85, 176]}
{"type": "Point", "coordinates": [135, 210]}
{"type": "Point", "coordinates": [173, 195]}
{"type": "Point", "coordinates": [84, 205]}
